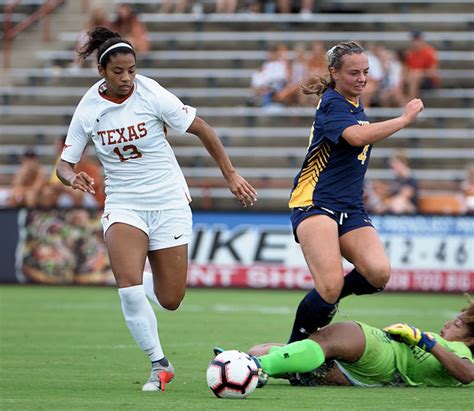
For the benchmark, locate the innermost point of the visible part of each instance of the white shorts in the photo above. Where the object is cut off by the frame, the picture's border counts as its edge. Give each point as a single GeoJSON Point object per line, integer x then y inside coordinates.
{"type": "Point", "coordinates": [164, 228]}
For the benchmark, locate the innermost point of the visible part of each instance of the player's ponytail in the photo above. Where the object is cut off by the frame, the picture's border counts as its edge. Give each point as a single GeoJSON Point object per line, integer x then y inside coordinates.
{"type": "Point", "coordinates": [101, 39]}
{"type": "Point", "coordinates": [319, 84]}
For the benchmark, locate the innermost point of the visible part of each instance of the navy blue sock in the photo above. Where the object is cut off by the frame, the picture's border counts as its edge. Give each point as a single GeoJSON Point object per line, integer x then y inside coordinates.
{"type": "Point", "coordinates": [355, 283]}
{"type": "Point", "coordinates": [313, 312]}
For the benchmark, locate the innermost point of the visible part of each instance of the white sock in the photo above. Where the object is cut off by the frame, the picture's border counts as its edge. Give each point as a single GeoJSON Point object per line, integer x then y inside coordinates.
{"type": "Point", "coordinates": [149, 288]}
{"type": "Point", "coordinates": [141, 320]}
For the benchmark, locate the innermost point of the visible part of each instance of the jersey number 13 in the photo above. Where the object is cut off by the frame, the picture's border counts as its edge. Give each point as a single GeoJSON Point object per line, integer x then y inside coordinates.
{"type": "Point", "coordinates": [134, 153]}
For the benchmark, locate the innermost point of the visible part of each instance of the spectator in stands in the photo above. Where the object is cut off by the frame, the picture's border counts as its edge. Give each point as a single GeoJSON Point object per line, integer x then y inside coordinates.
{"type": "Point", "coordinates": [391, 86]}
{"type": "Point", "coordinates": [290, 94]}
{"type": "Point", "coordinates": [467, 188]}
{"type": "Point", "coordinates": [178, 6]}
{"type": "Point", "coordinates": [374, 79]}
{"type": "Point", "coordinates": [403, 193]}
{"type": "Point", "coordinates": [374, 193]}
{"type": "Point", "coordinates": [317, 60]}
{"type": "Point", "coordinates": [316, 67]}
{"type": "Point", "coordinates": [304, 7]}
{"type": "Point", "coordinates": [261, 91]}
{"type": "Point", "coordinates": [97, 17]}
{"type": "Point", "coordinates": [261, 6]}
{"type": "Point", "coordinates": [271, 77]}
{"type": "Point", "coordinates": [226, 6]}
{"type": "Point", "coordinates": [399, 196]}
{"type": "Point", "coordinates": [422, 66]}
{"type": "Point", "coordinates": [128, 24]}
{"type": "Point", "coordinates": [28, 182]}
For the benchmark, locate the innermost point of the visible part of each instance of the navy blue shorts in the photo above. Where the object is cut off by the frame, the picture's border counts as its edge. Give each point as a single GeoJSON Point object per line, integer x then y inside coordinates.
{"type": "Point", "coordinates": [345, 221]}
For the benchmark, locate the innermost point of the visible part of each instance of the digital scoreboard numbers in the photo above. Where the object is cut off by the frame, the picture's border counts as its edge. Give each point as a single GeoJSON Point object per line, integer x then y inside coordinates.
{"type": "Point", "coordinates": [439, 252]}
{"type": "Point", "coordinates": [429, 253]}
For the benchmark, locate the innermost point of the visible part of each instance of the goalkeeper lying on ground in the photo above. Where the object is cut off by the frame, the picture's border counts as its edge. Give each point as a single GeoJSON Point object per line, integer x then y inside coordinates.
{"type": "Point", "coordinates": [352, 353]}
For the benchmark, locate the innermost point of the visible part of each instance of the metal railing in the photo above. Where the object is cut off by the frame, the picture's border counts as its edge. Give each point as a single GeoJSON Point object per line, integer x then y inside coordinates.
{"type": "Point", "coordinates": [11, 31]}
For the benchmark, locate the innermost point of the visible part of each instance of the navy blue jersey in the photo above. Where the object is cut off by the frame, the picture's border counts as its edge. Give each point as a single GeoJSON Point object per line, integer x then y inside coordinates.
{"type": "Point", "coordinates": [333, 171]}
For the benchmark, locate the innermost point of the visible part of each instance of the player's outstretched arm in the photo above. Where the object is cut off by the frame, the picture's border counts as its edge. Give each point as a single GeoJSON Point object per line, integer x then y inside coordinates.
{"type": "Point", "coordinates": [460, 368]}
{"type": "Point", "coordinates": [359, 136]}
{"type": "Point", "coordinates": [80, 181]}
{"type": "Point", "coordinates": [240, 187]}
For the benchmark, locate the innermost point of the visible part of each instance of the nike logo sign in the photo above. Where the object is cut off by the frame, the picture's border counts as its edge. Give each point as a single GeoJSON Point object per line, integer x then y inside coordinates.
{"type": "Point", "coordinates": [178, 236]}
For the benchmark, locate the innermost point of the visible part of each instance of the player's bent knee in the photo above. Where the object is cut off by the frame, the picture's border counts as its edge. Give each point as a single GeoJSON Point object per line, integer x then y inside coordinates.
{"type": "Point", "coordinates": [170, 305]}
{"type": "Point", "coordinates": [377, 275]}
{"type": "Point", "coordinates": [381, 275]}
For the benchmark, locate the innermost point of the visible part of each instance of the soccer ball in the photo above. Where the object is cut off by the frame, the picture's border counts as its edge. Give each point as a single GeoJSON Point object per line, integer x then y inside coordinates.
{"type": "Point", "coordinates": [232, 374]}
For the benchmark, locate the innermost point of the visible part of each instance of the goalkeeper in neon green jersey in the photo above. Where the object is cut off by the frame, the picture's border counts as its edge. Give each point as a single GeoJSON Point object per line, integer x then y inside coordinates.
{"type": "Point", "coordinates": [352, 353]}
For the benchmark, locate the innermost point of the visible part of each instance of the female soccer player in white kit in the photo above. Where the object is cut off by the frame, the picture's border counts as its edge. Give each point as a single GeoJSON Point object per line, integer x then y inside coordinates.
{"type": "Point", "coordinates": [147, 211]}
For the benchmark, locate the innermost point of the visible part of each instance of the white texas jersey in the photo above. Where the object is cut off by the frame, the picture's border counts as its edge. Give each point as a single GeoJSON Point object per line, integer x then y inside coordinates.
{"type": "Point", "coordinates": [141, 170]}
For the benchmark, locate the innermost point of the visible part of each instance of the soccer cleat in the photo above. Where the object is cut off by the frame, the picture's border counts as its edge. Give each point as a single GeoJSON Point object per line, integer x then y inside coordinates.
{"type": "Point", "coordinates": [159, 377]}
{"type": "Point", "coordinates": [305, 379]}
{"type": "Point", "coordinates": [263, 376]}
{"type": "Point", "coordinates": [311, 378]}
{"type": "Point", "coordinates": [217, 350]}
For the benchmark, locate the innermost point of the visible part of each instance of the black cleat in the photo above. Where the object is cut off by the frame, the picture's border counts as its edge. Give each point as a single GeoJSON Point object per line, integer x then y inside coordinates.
{"type": "Point", "coordinates": [263, 376]}
{"type": "Point", "coordinates": [217, 350]}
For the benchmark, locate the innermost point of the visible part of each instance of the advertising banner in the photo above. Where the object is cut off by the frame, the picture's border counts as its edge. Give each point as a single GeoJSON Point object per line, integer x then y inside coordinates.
{"type": "Point", "coordinates": [256, 250]}
{"type": "Point", "coordinates": [427, 253]}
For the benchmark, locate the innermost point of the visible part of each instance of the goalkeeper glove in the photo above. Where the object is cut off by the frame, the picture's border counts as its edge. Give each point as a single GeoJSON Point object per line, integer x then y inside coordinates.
{"type": "Point", "coordinates": [411, 335]}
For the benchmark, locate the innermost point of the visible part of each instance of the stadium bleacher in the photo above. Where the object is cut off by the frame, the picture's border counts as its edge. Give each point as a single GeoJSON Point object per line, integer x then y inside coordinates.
{"type": "Point", "coordinates": [207, 60]}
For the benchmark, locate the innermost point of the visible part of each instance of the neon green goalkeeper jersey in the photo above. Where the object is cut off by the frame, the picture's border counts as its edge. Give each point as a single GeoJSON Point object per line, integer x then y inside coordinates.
{"type": "Point", "coordinates": [420, 368]}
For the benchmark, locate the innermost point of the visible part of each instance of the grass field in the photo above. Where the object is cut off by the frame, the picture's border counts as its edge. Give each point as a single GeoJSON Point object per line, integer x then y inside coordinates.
{"type": "Point", "coordinates": [69, 349]}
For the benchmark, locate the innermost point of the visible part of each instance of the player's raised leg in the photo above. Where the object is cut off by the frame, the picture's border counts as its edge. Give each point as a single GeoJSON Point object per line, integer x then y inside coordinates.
{"type": "Point", "coordinates": [363, 248]}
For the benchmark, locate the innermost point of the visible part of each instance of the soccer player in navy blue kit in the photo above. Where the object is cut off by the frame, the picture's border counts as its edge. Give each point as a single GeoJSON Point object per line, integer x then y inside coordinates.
{"type": "Point", "coordinates": [327, 210]}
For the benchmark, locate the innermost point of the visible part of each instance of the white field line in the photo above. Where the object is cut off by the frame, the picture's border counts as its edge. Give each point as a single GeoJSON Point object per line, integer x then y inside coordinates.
{"type": "Point", "coordinates": [287, 310]}
{"type": "Point", "coordinates": [270, 310]}
{"type": "Point", "coordinates": [105, 347]}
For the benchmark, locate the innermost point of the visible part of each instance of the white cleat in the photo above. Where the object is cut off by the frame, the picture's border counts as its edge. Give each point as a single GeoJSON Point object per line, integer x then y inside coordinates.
{"type": "Point", "coordinates": [159, 377]}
